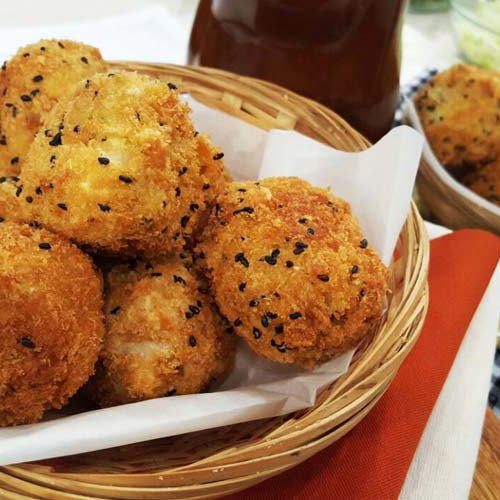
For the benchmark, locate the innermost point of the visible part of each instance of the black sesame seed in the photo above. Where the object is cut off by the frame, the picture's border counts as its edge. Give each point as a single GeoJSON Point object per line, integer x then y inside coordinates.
{"type": "Point", "coordinates": [115, 310]}
{"type": "Point", "coordinates": [125, 179]}
{"type": "Point", "coordinates": [60, 45]}
{"type": "Point", "coordinates": [195, 310]}
{"type": "Point", "coordinates": [103, 160]}
{"type": "Point", "coordinates": [183, 170]}
{"type": "Point", "coordinates": [2, 179]}
{"type": "Point", "coordinates": [240, 257]}
{"type": "Point", "coordinates": [42, 49]}
{"type": "Point", "coordinates": [171, 86]}
{"type": "Point", "coordinates": [253, 303]}
{"type": "Point", "coordinates": [264, 321]}
{"type": "Point", "coordinates": [177, 192]}
{"type": "Point", "coordinates": [25, 98]}
{"type": "Point", "coordinates": [248, 210]}
{"type": "Point", "coordinates": [1, 219]}
{"type": "Point", "coordinates": [171, 392]}
{"type": "Point", "coordinates": [188, 315]}
{"type": "Point", "coordinates": [62, 206]}
{"type": "Point", "coordinates": [279, 328]}
{"type": "Point", "coordinates": [271, 315]}
{"type": "Point", "coordinates": [324, 277]}
{"type": "Point", "coordinates": [104, 208]}
{"type": "Point", "coordinates": [29, 199]}
{"type": "Point", "coordinates": [192, 341]}
{"type": "Point", "coordinates": [270, 260]}
{"type": "Point", "coordinates": [218, 156]}
{"type": "Point", "coordinates": [179, 279]}
{"type": "Point", "coordinates": [302, 220]}
{"type": "Point", "coordinates": [156, 275]}
{"type": "Point", "coordinates": [363, 243]}
{"type": "Point", "coordinates": [15, 160]}
{"type": "Point", "coordinates": [256, 333]}
{"type": "Point", "coordinates": [296, 315]}
{"type": "Point", "coordinates": [84, 60]}
{"type": "Point", "coordinates": [44, 246]}
{"type": "Point", "coordinates": [193, 207]}
{"type": "Point", "coordinates": [289, 263]}
{"type": "Point", "coordinates": [242, 286]}
{"type": "Point", "coordinates": [56, 140]}
{"type": "Point", "coordinates": [354, 269]}
{"type": "Point", "coordinates": [184, 220]}
{"type": "Point", "coordinates": [19, 190]}
{"type": "Point", "coordinates": [76, 129]}
{"type": "Point", "coordinates": [238, 322]}
{"type": "Point", "coordinates": [299, 247]}
{"type": "Point", "coordinates": [39, 191]}
{"type": "Point", "coordinates": [206, 186]}
{"type": "Point", "coordinates": [27, 342]}
{"type": "Point", "coordinates": [310, 230]}
{"type": "Point", "coordinates": [52, 158]}
{"type": "Point", "coordinates": [3, 140]}
{"type": "Point", "coordinates": [34, 92]}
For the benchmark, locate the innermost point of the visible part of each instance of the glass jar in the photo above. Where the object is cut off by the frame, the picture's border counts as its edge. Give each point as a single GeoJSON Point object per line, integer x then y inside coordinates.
{"type": "Point", "coordinates": [342, 53]}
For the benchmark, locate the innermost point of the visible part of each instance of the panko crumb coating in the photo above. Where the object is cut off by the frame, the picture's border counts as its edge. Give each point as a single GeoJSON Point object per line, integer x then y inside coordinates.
{"type": "Point", "coordinates": [460, 113]}
{"type": "Point", "coordinates": [51, 322]}
{"type": "Point", "coordinates": [485, 182]}
{"type": "Point", "coordinates": [10, 206]}
{"type": "Point", "coordinates": [291, 271]}
{"type": "Point", "coordinates": [117, 168]}
{"type": "Point", "coordinates": [163, 335]}
{"type": "Point", "coordinates": [37, 77]}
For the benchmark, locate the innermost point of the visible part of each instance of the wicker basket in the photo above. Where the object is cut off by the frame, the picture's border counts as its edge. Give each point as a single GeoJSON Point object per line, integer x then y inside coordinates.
{"type": "Point", "coordinates": [449, 201]}
{"type": "Point", "coordinates": [217, 462]}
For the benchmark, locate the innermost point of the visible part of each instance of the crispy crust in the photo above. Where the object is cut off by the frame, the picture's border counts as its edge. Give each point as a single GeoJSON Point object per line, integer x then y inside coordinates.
{"type": "Point", "coordinates": [51, 322]}
{"type": "Point", "coordinates": [290, 271]}
{"type": "Point", "coordinates": [485, 182]}
{"type": "Point", "coordinates": [31, 83]}
{"type": "Point", "coordinates": [459, 110]}
{"type": "Point", "coordinates": [119, 170]}
{"type": "Point", "coordinates": [163, 335]}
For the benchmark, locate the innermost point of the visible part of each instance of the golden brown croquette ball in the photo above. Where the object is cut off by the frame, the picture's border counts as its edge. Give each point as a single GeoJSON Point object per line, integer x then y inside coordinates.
{"type": "Point", "coordinates": [118, 168]}
{"type": "Point", "coordinates": [31, 83]}
{"type": "Point", "coordinates": [459, 112]}
{"type": "Point", "coordinates": [163, 336]}
{"type": "Point", "coordinates": [485, 182]}
{"type": "Point", "coordinates": [51, 322]}
{"type": "Point", "coordinates": [291, 271]}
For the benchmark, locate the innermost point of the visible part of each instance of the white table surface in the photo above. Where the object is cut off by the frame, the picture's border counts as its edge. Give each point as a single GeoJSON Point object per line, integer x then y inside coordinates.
{"type": "Point", "coordinates": [444, 462]}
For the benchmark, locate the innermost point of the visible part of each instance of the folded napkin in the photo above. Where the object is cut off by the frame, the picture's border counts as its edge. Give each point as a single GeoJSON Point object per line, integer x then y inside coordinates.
{"type": "Point", "coordinates": [372, 461]}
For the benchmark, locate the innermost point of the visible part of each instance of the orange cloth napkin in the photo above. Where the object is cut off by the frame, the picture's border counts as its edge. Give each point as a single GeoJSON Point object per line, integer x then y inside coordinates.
{"type": "Point", "coordinates": [371, 462]}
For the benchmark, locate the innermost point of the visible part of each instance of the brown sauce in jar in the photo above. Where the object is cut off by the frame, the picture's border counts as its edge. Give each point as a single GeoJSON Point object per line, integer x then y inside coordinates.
{"type": "Point", "coordinates": [342, 53]}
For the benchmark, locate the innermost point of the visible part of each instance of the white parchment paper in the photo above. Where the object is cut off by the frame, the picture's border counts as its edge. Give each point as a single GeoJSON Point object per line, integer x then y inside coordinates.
{"type": "Point", "coordinates": [377, 182]}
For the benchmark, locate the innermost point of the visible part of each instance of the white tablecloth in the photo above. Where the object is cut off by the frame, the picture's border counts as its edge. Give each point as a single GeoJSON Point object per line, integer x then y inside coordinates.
{"type": "Point", "coordinates": [158, 31]}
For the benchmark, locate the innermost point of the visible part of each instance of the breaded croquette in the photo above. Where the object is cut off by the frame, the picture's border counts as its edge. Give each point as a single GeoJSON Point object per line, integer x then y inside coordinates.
{"type": "Point", "coordinates": [163, 335]}
{"type": "Point", "coordinates": [37, 77]}
{"type": "Point", "coordinates": [290, 270]}
{"type": "Point", "coordinates": [51, 322]}
{"type": "Point", "coordinates": [459, 111]}
{"type": "Point", "coordinates": [117, 168]}
{"type": "Point", "coordinates": [485, 182]}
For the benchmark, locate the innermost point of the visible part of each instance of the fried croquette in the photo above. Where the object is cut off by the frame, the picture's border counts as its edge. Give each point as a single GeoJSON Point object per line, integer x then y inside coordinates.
{"type": "Point", "coordinates": [118, 168]}
{"type": "Point", "coordinates": [290, 270]}
{"type": "Point", "coordinates": [485, 182]}
{"type": "Point", "coordinates": [459, 112]}
{"type": "Point", "coordinates": [51, 324]}
{"type": "Point", "coordinates": [163, 335]}
{"type": "Point", "coordinates": [37, 77]}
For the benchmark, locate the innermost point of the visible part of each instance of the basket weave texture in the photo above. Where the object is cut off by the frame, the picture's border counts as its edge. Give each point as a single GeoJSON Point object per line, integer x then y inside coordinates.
{"type": "Point", "coordinates": [221, 461]}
